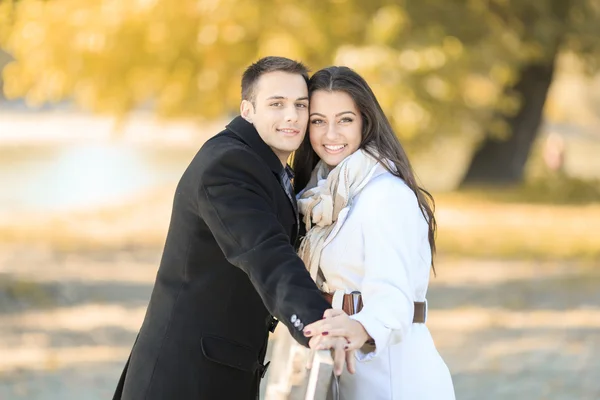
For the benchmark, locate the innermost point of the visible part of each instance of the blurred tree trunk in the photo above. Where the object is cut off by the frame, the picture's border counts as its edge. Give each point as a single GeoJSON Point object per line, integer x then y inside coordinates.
{"type": "Point", "coordinates": [500, 162]}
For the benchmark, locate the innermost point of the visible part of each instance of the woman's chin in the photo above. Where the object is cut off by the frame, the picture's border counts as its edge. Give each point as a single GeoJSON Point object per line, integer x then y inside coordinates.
{"type": "Point", "coordinates": [333, 160]}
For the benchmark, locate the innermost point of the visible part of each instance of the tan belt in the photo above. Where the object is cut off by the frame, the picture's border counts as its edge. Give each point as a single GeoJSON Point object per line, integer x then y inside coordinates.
{"type": "Point", "coordinates": [348, 306]}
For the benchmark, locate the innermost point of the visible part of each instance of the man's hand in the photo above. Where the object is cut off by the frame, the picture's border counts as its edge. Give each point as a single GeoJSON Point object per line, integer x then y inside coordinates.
{"type": "Point", "coordinates": [339, 352]}
{"type": "Point", "coordinates": [336, 323]}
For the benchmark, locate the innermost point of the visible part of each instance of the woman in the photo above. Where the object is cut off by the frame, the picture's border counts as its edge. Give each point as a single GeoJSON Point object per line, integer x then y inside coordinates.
{"type": "Point", "coordinates": [370, 229]}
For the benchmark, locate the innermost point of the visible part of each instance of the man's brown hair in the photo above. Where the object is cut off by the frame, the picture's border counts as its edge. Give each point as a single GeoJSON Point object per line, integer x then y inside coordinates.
{"type": "Point", "coordinates": [266, 65]}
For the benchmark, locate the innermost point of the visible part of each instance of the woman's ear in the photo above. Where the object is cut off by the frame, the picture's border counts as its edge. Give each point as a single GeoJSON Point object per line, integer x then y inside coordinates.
{"type": "Point", "coordinates": [246, 110]}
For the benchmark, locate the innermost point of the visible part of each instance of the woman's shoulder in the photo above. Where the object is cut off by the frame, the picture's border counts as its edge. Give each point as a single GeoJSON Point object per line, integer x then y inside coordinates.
{"type": "Point", "coordinates": [387, 188]}
{"type": "Point", "coordinates": [385, 200]}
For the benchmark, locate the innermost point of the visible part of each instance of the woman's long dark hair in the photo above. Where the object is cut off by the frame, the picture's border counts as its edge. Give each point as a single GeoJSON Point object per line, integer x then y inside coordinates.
{"type": "Point", "coordinates": [377, 133]}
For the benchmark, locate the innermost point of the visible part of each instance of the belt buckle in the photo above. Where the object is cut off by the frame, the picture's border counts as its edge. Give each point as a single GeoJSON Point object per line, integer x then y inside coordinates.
{"type": "Point", "coordinates": [355, 300]}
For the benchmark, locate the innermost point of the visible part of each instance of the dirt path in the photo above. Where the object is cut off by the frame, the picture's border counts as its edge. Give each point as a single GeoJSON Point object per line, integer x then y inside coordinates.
{"type": "Point", "coordinates": [508, 330]}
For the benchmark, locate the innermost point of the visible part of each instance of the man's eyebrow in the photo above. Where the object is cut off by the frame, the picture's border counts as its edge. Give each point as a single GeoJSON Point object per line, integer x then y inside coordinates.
{"type": "Point", "coordinates": [285, 98]}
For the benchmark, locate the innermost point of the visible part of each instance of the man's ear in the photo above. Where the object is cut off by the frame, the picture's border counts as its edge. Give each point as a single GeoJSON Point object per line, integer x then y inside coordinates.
{"type": "Point", "coordinates": [246, 110]}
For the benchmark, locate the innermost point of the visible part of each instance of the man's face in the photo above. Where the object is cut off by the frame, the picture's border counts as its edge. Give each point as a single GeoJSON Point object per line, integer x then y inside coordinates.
{"type": "Point", "coordinates": [280, 111]}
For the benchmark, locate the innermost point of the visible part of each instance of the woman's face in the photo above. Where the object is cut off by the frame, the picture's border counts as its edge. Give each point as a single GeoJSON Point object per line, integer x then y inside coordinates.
{"type": "Point", "coordinates": [335, 126]}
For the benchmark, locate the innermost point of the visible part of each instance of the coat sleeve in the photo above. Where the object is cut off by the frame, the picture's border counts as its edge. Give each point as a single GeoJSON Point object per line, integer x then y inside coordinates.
{"type": "Point", "coordinates": [391, 224]}
{"type": "Point", "coordinates": [235, 203]}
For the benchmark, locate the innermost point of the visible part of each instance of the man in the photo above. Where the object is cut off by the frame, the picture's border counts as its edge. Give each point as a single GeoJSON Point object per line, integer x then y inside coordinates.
{"type": "Point", "coordinates": [228, 263]}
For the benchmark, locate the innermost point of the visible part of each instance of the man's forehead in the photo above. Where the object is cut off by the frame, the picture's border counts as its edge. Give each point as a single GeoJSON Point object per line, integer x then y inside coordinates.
{"type": "Point", "coordinates": [281, 85]}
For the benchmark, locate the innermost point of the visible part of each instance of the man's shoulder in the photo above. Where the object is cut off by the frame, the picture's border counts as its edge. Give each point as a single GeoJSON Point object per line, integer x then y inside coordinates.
{"type": "Point", "coordinates": [228, 151]}
{"type": "Point", "coordinates": [223, 142]}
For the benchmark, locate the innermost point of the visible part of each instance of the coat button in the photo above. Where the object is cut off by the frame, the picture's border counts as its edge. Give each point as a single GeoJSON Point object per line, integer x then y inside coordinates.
{"type": "Point", "coordinates": [300, 327]}
{"type": "Point", "coordinates": [294, 318]}
{"type": "Point", "coordinates": [297, 323]}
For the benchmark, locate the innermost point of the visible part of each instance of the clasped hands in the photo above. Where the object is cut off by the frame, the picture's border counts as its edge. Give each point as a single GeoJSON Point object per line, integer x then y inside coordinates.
{"type": "Point", "coordinates": [340, 334]}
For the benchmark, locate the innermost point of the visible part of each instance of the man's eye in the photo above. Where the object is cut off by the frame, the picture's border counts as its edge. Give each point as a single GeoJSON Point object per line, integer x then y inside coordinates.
{"type": "Point", "coordinates": [301, 105]}
{"type": "Point", "coordinates": [278, 104]}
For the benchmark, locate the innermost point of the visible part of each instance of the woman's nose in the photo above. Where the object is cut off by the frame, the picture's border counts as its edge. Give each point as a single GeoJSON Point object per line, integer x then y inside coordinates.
{"type": "Point", "coordinates": [332, 132]}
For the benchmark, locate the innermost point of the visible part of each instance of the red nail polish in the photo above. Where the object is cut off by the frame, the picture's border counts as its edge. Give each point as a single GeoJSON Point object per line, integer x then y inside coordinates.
{"type": "Point", "coordinates": [307, 332]}
{"type": "Point", "coordinates": [325, 333]}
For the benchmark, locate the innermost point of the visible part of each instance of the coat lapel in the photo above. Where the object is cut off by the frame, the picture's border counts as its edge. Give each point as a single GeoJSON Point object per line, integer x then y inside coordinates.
{"type": "Point", "coordinates": [250, 136]}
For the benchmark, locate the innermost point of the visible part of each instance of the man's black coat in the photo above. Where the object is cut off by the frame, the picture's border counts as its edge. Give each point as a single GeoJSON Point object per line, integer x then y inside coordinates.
{"type": "Point", "coordinates": [228, 265]}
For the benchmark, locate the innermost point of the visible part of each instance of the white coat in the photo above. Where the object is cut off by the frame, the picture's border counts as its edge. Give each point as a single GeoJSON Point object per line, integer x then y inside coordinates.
{"type": "Point", "coordinates": [382, 250]}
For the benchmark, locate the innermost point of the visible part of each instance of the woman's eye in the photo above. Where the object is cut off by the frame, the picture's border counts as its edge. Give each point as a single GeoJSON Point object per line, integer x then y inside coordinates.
{"type": "Point", "coordinates": [346, 120]}
{"type": "Point", "coordinates": [316, 121]}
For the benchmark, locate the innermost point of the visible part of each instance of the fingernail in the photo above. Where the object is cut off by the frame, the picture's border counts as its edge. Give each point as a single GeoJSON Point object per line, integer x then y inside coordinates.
{"type": "Point", "coordinates": [346, 347]}
{"type": "Point", "coordinates": [325, 333]}
{"type": "Point", "coordinates": [307, 332]}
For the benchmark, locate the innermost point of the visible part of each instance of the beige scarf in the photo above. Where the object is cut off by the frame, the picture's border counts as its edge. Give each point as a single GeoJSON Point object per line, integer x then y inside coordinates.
{"type": "Point", "coordinates": [325, 203]}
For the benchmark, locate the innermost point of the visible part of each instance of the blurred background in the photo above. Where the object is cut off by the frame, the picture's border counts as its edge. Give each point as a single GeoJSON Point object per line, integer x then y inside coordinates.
{"type": "Point", "coordinates": [105, 102]}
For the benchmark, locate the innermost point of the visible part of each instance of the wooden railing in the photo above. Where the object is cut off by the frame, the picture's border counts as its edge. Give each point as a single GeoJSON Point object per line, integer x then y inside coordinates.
{"type": "Point", "coordinates": [289, 377]}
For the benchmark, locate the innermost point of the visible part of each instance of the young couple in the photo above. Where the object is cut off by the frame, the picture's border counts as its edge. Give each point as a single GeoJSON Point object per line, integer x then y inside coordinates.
{"type": "Point", "coordinates": [230, 270]}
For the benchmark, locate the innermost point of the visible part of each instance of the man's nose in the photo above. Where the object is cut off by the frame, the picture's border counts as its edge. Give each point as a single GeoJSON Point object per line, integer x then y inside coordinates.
{"type": "Point", "coordinates": [291, 114]}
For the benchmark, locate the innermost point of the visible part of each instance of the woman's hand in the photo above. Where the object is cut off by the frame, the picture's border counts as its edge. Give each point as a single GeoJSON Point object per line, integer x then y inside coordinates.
{"type": "Point", "coordinates": [339, 354]}
{"type": "Point", "coordinates": [336, 323]}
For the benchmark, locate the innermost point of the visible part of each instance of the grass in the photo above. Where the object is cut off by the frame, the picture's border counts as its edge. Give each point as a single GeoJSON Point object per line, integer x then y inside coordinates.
{"type": "Point", "coordinates": [555, 189]}
{"type": "Point", "coordinates": [25, 291]}
{"type": "Point", "coordinates": [475, 223]}
{"type": "Point", "coordinates": [488, 224]}
{"type": "Point", "coordinates": [139, 222]}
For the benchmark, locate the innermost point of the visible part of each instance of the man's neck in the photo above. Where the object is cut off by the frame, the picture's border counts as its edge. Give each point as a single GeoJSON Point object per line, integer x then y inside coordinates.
{"type": "Point", "coordinates": [283, 157]}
